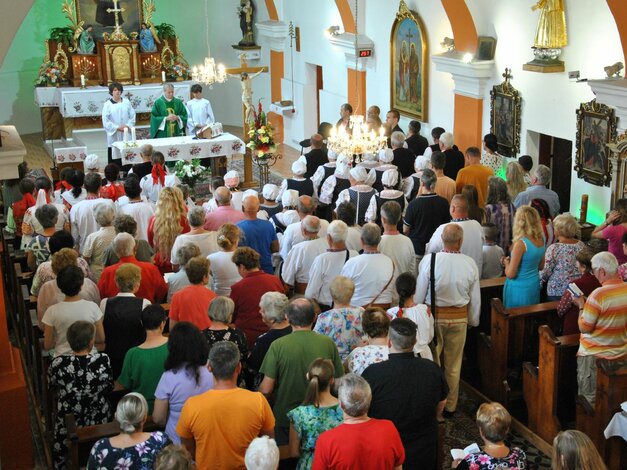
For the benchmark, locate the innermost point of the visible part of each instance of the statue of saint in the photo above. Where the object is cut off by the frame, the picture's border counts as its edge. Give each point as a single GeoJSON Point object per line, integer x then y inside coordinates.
{"type": "Point", "coordinates": [551, 32]}
{"type": "Point", "coordinates": [146, 39]}
{"type": "Point", "coordinates": [246, 12]}
{"type": "Point", "coordinates": [86, 43]}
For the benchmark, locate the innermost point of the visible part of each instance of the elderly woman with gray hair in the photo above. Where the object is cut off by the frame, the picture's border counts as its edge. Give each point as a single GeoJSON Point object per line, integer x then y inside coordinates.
{"type": "Point", "coordinates": [97, 243]}
{"type": "Point", "coordinates": [205, 240]}
{"type": "Point", "coordinates": [37, 250]}
{"type": "Point", "coordinates": [343, 446]}
{"type": "Point", "coordinates": [272, 307]}
{"type": "Point", "coordinates": [132, 448]}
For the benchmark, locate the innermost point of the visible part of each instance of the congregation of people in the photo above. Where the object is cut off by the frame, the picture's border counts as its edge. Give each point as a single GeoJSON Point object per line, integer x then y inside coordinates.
{"type": "Point", "coordinates": [325, 315]}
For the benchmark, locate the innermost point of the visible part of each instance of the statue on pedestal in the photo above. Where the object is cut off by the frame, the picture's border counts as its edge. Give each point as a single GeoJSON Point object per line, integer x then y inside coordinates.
{"type": "Point", "coordinates": [146, 39]}
{"type": "Point", "coordinates": [86, 43]}
{"type": "Point", "coordinates": [246, 12]}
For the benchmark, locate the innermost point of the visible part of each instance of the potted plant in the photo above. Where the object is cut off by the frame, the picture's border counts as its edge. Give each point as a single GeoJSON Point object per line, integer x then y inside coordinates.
{"type": "Point", "coordinates": [165, 31]}
{"type": "Point", "coordinates": [63, 35]}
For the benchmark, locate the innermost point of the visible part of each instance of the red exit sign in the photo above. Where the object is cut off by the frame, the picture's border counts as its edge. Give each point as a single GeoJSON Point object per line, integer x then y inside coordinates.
{"type": "Point", "coordinates": [365, 52]}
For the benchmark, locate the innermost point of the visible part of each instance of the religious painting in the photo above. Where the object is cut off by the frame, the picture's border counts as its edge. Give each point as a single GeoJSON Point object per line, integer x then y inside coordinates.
{"type": "Point", "coordinates": [596, 128]}
{"type": "Point", "coordinates": [101, 15]}
{"type": "Point", "coordinates": [505, 116]}
{"type": "Point", "coordinates": [409, 64]}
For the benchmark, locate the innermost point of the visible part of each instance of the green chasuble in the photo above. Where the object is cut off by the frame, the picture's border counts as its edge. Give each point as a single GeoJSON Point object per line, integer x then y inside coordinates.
{"type": "Point", "coordinates": [160, 110]}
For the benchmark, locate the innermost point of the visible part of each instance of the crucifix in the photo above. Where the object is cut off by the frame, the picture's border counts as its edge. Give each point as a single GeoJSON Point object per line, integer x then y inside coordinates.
{"type": "Point", "coordinates": [116, 10]}
{"type": "Point", "coordinates": [246, 75]}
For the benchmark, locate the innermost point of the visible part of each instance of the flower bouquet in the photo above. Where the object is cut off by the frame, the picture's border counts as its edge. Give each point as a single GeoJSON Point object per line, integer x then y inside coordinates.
{"type": "Point", "coordinates": [260, 133]}
{"type": "Point", "coordinates": [49, 73]}
{"type": "Point", "coordinates": [179, 71]}
{"type": "Point", "coordinates": [190, 172]}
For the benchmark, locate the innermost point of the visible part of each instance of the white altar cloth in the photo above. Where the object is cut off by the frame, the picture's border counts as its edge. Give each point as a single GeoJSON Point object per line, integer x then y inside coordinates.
{"type": "Point", "coordinates": [76, 102]}
{"type": "Point", "coordinates": [70, 154]}
{"type": "Point", "coordinates": [180, 148]}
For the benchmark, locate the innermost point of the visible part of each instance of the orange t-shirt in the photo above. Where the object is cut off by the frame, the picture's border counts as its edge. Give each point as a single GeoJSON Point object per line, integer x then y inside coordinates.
{"type": "Point", "coordinates": [191, 304]}
{"type": "Point", "coordinates": [476, 175]}
{"type": "Point", "coordinates": [223, 423]}
{"type": "Point", "coordinates": [445, 187]}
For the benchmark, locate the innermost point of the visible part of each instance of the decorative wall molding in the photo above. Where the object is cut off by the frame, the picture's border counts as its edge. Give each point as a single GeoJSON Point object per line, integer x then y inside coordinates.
{"type": "Point", "coordinates": [471, 78]}
{"type": "Point", "coordinates": [274, 34]}
{"type": "Point", "coordinates": [346, 43]}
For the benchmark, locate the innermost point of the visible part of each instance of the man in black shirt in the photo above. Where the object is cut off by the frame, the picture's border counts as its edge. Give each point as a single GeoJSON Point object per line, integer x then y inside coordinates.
{"type": "Point", "coordinates": [403, 158]}
{"type": "Point", "coordinates": [145, 167]}
{"type": "Point", "coordinates": [391, 124]}
{"type": "Point", "coordinates": [410, 392]}
{"type": "Point", "coordinates": [455, 160]}
{"type": "Point", "coordinates": [425, 213]}
{"type": "Point", "coordinates": [415, 142]}
{"type": "Point", "coordinates": [317, 155]}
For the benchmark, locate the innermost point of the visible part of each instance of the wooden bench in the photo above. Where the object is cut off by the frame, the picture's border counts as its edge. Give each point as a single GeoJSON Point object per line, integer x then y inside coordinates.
{"type": "Point", "coordinates": [490, 289]}
{"type": "Point", "coordinates": [509, 335]}
{"type": "Point", "coordinates": [611, 392]}
{"type": "Point", "coordinates": [552, 385]}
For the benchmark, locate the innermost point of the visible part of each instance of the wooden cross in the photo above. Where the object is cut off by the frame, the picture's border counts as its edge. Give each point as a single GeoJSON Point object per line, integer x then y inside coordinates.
{"type": "Point", "coordinates": [508, 74]}
{"type": "Point", "coordinates": [116, 10]}
{"type": "Point", "coordinates": [243, 67]}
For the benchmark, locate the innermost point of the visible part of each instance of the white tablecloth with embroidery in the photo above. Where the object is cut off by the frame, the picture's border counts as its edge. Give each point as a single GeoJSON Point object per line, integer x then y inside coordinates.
{"type": "Point", "coordinates": [76, 102]}
{"type": "Point", "coordinates": [617, 426]}
{"type": "Point", "coordinates": [180, 148]}
{"type": "Point", "coordinates": [70, 154]}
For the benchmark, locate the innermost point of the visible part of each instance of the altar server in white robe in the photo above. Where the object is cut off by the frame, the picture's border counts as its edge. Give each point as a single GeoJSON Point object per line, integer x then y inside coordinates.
{"type": "Point", "coordinates": [117, 115]}
{"type": "Point", "coordinates": [199, 111]}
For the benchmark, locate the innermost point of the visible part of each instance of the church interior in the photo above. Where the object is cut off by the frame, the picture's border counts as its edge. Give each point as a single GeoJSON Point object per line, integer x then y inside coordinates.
{"type": "Point", "coordinates": [470, 67]}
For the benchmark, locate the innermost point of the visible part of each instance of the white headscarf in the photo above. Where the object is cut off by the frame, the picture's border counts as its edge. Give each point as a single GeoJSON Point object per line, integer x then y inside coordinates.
{"type": "Point", "coordinates": [289, 198]}
{"type": "Point", "coordinates": [299, 167]}
{"type": "Point", "coordinates": [386, 155]}
{"type": "Point", "coordinates": [270, 192]}
{"type": "Point", "coordinates": [390, 177]}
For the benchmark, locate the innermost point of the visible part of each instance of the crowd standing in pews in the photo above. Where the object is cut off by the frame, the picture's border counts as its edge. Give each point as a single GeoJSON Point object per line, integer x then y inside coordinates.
{"type": "Point", "coordinates": [368, 267]}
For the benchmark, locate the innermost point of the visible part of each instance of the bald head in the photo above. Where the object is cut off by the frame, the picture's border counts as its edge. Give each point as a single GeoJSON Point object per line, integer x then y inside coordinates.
{"type": "Point", "coordinates": [459, 207]}
{"type": "Point", "coordinates": [251, 207]}
{"type": "Point", "coordinates": [452, 237]}
{"type": "Point", "coordinates": [306, 206]}
{"type": "Point", "coordinates": [316, 141]}
{"type": "Point", "coordinates": [222, 196]}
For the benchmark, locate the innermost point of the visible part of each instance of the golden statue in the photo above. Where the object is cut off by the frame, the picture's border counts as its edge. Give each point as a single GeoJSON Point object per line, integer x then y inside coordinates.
{"type": "Point", "coordinates": [551, 32]}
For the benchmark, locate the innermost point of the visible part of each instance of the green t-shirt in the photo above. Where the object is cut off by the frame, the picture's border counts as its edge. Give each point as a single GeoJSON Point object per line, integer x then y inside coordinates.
{"type": "Point", "coordinates": [288, 361]}
{"type": "Point", "coordinates": [142, 371]}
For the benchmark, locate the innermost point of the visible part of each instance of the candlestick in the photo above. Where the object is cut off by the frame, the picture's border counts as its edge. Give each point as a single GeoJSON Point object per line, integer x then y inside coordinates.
{"type": "Point", "coordinates": [583, 212]}
{"type": "Point", "coordinates": [82, 81]}
{"type": "Point", "coordinates": [126, 134]}
{"type": "Point", "coordinates": [133, 135]}
{"type": "Point", "coordinates": [163, 76]}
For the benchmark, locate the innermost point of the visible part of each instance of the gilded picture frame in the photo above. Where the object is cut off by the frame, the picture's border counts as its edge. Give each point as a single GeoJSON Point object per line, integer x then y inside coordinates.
{"type": "Point", "coordinates": [505, 116]}
{"type": "Point", "coordinates": [93, 12]}
{"type": "Point", "coordinates": [596, 128]}
{"type": "Point", "coordinates": [409, 64]}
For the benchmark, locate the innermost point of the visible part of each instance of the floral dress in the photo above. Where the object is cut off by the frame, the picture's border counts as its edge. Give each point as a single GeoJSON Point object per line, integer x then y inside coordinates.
{"type": "Point", "coordinates": [82, 384]}
{"type": "Point", "coordinates": [515, 460]}
{"type": "Point", "coordinates": [309, 422]}
{"type": "Point", "coordinates": [363, 356]}
{"type": "Point", "coordinates": [139, 457]}
{"type": "Point", "coordinates": [234, 335]}
{"type": "Point", "coordinates": [560, 267]}
{"type": "Point", "coordinates": [343, 326]}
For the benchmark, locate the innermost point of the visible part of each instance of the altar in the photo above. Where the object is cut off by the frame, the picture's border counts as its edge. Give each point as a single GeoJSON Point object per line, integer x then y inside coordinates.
{"type": "Point", "coordinates": [184, 148]}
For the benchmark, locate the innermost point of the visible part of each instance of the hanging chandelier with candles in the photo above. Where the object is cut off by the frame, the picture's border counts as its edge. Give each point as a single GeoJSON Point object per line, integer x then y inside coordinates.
{"type": "Point", "coordinates": [358, 141]}
{"type": "Point", "coordinates": [209, 73]}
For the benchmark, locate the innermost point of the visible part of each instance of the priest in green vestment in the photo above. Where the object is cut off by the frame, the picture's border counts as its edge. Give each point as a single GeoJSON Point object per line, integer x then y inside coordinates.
{"type": "Point", "coordinates": [169, 115]}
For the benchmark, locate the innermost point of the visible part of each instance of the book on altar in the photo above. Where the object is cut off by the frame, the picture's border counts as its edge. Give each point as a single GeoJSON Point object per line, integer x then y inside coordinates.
{"type": "Point", "coordinates": [462, 453]}
{"type": "Point", "coordinates": [210, 130]}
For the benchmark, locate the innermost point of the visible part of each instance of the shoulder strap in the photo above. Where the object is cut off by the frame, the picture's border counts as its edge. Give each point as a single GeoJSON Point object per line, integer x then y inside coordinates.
{"type": "Point", "coordinates": [384, 287]}
{"type": "Point", "coordinates": [432, 281]}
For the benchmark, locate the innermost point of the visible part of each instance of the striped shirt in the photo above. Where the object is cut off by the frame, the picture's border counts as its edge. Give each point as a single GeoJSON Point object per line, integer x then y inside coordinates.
{"type": "Point", "coordinates": [605, 318]}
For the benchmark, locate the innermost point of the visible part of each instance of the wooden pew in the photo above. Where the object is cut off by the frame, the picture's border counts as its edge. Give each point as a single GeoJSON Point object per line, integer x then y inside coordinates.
{"type": "Point", "coordinates": [490, 289]}
{"type": "Point", "coordinates": [504, 347]}
{"type": "Point", "coordinates": [611, 392]}
{"type": "Point", "coordinates": [552, 385]}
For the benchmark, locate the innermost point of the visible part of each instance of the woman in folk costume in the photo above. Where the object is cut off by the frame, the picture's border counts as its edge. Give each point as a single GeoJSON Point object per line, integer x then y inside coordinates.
{"type": "Point", "coordinates": [158, 179]}
{"type": "Point", "coordinates": [386, 156]}
{"type": "Point", "coordinates": [113, 189]}
{"type": "Point", "coordinates": [169, 221]}
{"type": "Point", "coordinates": [63, 184]}
{"type": "Point", "coordinates": [117, 115]}
{"type": "Point", "coordinates": [360, 193]}
{"type": "Point", "coordinates": [289, 214]}
{"type": "Point", "coordinates": [370, 161]}
{"type": "Point", "coordinates": [304, 186]}
{"type": "Point", "coordinates": [389, 193]}
{"type": "Point", "coordinates": [337, 182]}
{"type": "Point", "coordinates": [411, 184]}
{"type": "Point", "coordinates": [30, 224]}
{"type": "Point", "coordinates": [231, 181]}
{"type": "Point", "coordinates": [77, 193]}
{"type": "Point", "coordinates": [323, 172]}
{"type": "Point", "coordinates": [270, 195]}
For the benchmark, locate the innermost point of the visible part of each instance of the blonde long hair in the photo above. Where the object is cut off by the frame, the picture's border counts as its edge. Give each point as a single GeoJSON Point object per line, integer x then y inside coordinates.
{"type": "Point", "coordinates": [573, 450]}
{"type": "Point", "coordinates": [167, 226]}
{"type": "Point", "coordinates": [514, 175]}
{"type": "Point", "coordinates": [527, 224]}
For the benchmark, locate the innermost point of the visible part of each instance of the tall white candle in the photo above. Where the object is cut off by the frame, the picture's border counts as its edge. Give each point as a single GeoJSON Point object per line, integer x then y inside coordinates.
{"type": "Point", "coordinates": [133, 135]}
{"type": "Point", "coordinates": [126, 134]}
{"type": "Point", "coordinates": [163, 76]}
{"type": "Point", "coordinates": [82, 80]}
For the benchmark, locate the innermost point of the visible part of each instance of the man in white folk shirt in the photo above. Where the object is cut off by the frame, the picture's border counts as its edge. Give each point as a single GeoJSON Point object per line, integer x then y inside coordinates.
{"type": "Point", "coordinates": [473, 233]}
{"type": "Point", "coordinates": [398, 247]}
{"type": "Point", "coordinates": [293, 234]}
{"type": "Point", "coordinates": [458, 304]}
{"type": "Point", "coordinates": [137, 208]}
{"type": "Point", "coordinates": [117, 115]}
{"type": "Point", "coordinates": [296, 268]}
{"type": "Point", "coordinates": [82, 213]}
{"type": "Point", "coordinates": [346, 212]}
{"type": "Point", "coordinates": [372, 272]}
{"type": "Point", "coordinates": [328, 265]}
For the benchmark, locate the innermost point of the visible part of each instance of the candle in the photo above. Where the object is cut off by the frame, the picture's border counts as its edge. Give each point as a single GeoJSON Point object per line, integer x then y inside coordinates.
{"type": "Point", "coordinates": [133, 134]}
{"type": "Point", "coordinates": [163, 76]}
{"type": "Point", "coordinates": [125, 134]}
{"type": "Point", "coordinates": [82, 80]}
{"type": "Point", "coordinates": [583, 213]}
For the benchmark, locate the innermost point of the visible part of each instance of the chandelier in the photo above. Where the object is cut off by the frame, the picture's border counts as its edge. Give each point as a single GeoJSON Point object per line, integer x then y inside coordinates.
{"type": "Point", "coordinates": [358, 141]}
{"type": "Point", "coordinates": [208, 73]}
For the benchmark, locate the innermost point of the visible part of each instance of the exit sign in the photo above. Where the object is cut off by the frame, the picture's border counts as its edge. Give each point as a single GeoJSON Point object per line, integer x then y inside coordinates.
{"type": "Point", "coordinates": [365, 52]}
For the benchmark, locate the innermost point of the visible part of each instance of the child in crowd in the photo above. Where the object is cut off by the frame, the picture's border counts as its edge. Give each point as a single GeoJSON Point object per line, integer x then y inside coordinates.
{"type": "Point", "coordinates": [492, 253]}
{"type": "Point", "coordinates": [113, 189]}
